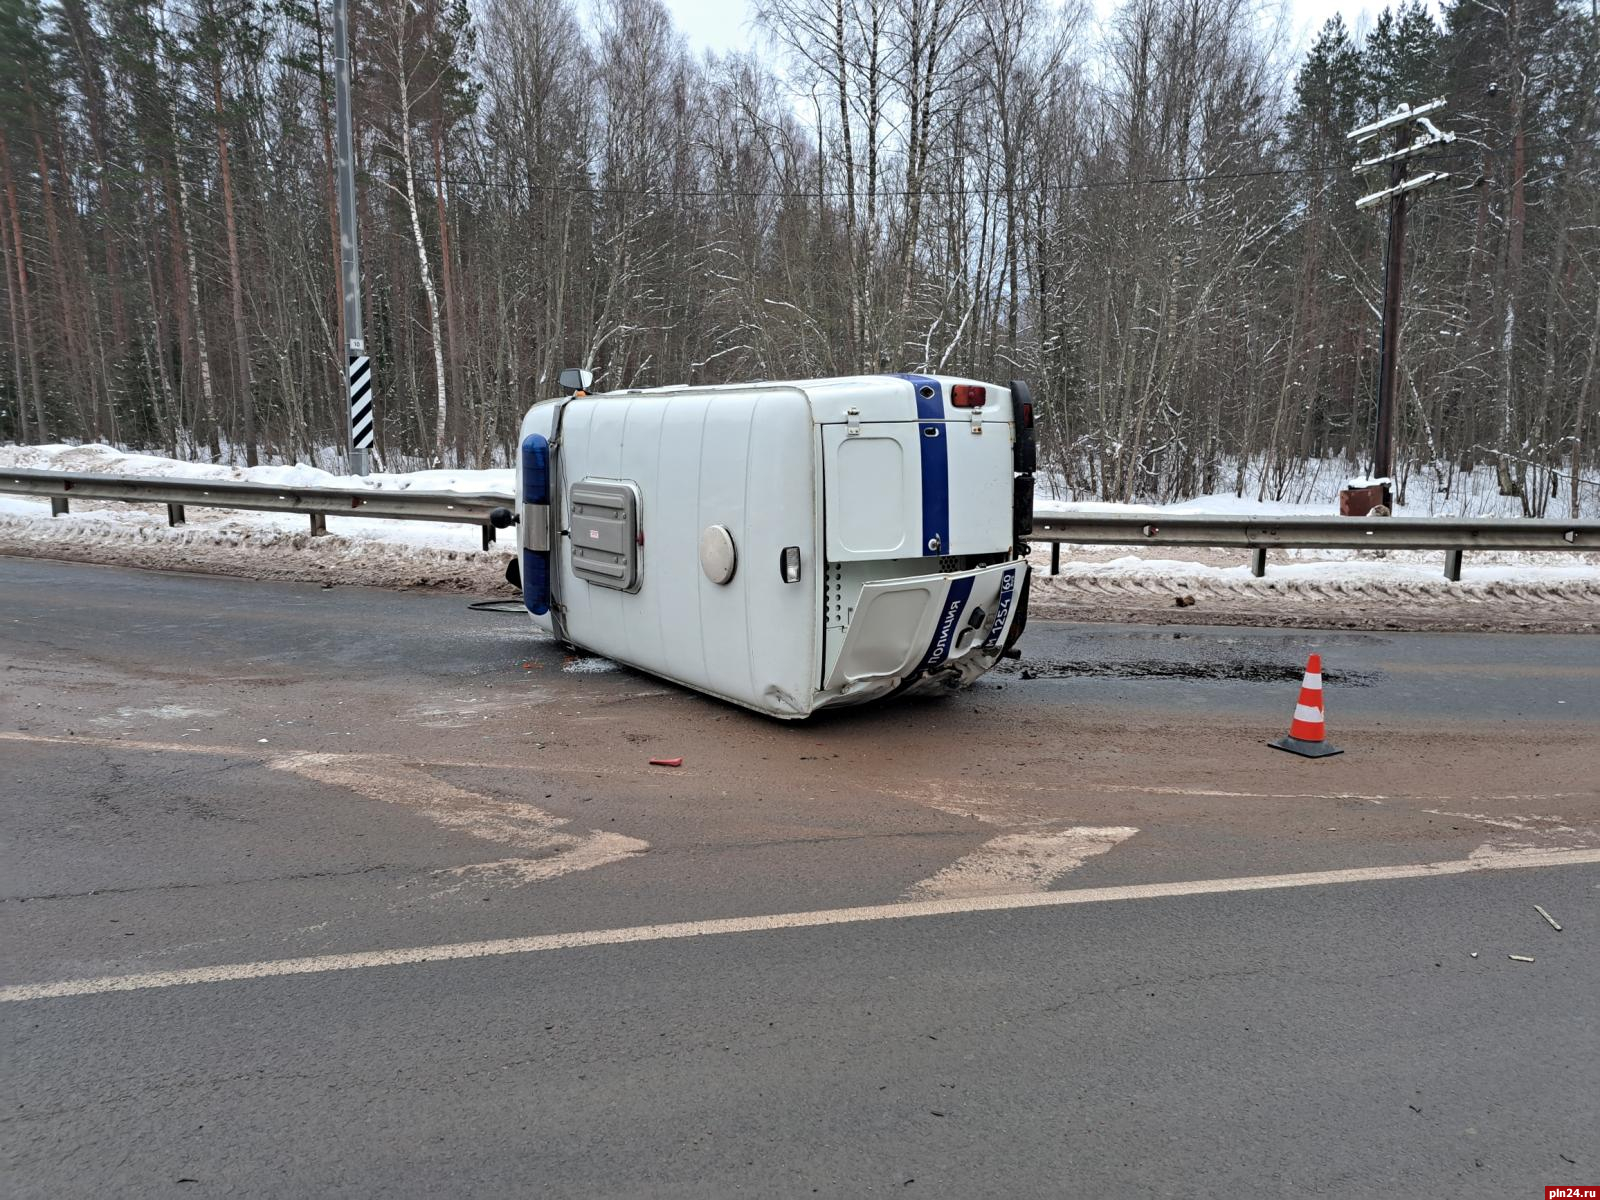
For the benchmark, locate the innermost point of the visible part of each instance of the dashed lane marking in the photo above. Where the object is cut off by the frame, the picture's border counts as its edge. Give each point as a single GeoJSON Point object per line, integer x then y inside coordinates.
{"type": "Point", "coordinates": [1028, 860]}
{"type": "Point", "coordinates": [548, 850]}
{"type": "Point", "coordinates": [238, 972]}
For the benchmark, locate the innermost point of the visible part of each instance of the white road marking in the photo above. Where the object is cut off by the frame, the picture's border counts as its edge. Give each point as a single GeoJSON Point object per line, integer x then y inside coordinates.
{"type": "Point", "coordinates": [596, 850]}
{"type": "Point", "coordinates": [46, 739]}
{"type": "Point", "coordinates": [522, 826]}
{"type": "Point", "coordinates": [235, 972]}
{"type": "Point", "coordinates": [1023, 861]}
{"type": "Point", "coordinates": [1226, 795]}
{"type": "Point", "coordinates": [541, 767]}
{"type": "Point", "coordinates": [161, 712]}
{"type": "Point", "coordinates": [1533, 823]}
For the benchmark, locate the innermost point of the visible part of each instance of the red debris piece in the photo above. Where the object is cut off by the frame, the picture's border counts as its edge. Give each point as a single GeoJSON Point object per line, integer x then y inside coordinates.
{"type": "Point", "coordinates": [666, 762]}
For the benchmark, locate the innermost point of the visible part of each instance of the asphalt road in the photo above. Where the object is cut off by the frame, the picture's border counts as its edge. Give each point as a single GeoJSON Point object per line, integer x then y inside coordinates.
{"type": "Point", "coordinates": [207, 780]}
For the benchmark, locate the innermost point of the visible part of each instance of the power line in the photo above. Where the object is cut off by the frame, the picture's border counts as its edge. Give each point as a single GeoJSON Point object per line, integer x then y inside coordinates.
{"type": "Point", "coordinates": [600, 189]}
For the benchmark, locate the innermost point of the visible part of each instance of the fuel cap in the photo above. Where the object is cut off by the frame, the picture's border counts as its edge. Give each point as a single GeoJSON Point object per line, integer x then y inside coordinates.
{"type": "Point", "coordinates": [718, 558]}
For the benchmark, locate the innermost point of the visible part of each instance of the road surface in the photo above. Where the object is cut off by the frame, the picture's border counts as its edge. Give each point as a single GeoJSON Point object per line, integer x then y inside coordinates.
{"type": "Point", "coordinates": [314, 891]}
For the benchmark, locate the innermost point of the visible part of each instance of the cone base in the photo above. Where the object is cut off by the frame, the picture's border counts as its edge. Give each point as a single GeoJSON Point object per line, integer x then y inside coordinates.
{"type": "Point", "coordinates": [1305, 749]}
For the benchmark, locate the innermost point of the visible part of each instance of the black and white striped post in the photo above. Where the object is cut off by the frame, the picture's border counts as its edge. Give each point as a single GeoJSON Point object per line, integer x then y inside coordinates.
{"type": "Point", "coordinates": [359, 376]}
{"type": "Point", "coordinates": [358, 367]}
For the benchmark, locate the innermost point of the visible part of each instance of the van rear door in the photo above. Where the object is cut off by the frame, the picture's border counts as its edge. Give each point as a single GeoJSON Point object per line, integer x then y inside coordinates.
{"type": "Point", "coordinates": [929, 488]}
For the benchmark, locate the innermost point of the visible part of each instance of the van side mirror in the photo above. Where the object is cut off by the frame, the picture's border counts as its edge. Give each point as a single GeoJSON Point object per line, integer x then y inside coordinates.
{"type": "Point", "coordinates": [576, 379]}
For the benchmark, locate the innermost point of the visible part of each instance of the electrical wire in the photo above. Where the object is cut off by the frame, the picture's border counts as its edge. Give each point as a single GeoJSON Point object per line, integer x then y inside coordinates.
{"type": "Point", "coordinates": [602, 189]}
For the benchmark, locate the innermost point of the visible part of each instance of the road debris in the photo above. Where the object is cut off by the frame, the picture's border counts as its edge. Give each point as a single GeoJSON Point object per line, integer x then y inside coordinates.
{"type": "Point", "coordinates": [1554, 924]}
{"type": "Point", "coordinates": [1519, 958]}
{"type": "Point", "coordinates": [666, 762]}
{"type": "Point", "coordinates": [1474, 954]}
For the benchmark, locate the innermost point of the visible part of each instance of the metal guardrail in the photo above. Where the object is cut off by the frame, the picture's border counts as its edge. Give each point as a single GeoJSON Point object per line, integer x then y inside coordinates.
{"type": "Point", "coordinates": [1454, 536]}
{"type": "Point", "coordinates": [318, 503]}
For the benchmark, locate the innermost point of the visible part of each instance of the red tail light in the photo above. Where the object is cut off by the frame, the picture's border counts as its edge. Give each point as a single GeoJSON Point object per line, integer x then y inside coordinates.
{"type": "Point", "coordinates": [1027, 415]}
{"type": "Point", "coordinates": [967, 395]}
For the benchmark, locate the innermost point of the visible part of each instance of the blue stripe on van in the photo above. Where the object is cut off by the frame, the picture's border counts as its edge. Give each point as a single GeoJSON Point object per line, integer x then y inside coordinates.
{"type": "Point", "coordinates": [535, 490]}
{"type": "Point", "coordinates": [944, 633]}
{"type": "Point", "coordinates": [935, 464]}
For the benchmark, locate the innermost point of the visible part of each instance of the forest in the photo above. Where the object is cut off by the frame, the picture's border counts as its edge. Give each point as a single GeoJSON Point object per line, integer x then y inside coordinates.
{"type": "Point", "coordinates": [1148, 214]}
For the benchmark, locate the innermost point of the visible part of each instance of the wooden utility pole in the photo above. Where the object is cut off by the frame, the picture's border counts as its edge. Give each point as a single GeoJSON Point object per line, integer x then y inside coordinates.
{"type": "Point", "coordinates": [1399, 189]}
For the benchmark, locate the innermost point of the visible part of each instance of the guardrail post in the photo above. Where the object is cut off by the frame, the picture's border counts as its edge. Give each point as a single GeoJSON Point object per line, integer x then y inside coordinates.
{"type": "Point", "coordinates": [319, 524]}
{"type": "Point", "coordinates": [175, 515]}
{"type": "Point", "coordinates": [1258, 561]}
{"type": "Point", "coordinates": [1055, 558]}
{"type": "Point", "coordinates": [58, 506]}
{"type": "Point", "coordinates": [1452, 565]}
{"type": "Point", "coordinates": [488, 535]}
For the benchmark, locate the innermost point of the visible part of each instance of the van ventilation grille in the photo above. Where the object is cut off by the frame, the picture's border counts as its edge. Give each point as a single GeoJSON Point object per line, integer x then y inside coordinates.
{"type": "Point", "coordinates": [833, 596]}
{"type": "Point", "coordinates": [948, 564]}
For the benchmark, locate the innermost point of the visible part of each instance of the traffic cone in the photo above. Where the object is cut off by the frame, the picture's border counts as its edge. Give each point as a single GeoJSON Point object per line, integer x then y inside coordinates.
{"type": "Point", "coordinates": [1308, 731]}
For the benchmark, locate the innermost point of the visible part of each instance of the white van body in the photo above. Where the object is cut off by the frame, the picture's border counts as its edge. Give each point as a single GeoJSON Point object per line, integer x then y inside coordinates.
{"type": "Point", "coordinates": [897, 504]}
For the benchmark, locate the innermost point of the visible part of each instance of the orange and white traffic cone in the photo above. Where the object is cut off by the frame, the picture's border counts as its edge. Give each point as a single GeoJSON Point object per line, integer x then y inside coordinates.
{"type": "Point", "coordinates": [1308, 733]}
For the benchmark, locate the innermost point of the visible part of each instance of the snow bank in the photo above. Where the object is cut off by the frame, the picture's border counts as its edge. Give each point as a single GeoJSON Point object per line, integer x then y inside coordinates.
{"type": "Point", "coordinates": [1312, 489]}
{"type": "Point", "coordinates": [107, 460]}
{"type": "Point", "coordinates": [1346, 568]}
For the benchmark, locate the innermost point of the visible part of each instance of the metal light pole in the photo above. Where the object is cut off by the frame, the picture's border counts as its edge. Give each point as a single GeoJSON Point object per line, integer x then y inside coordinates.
{"type": "Point", "coordinates": [358, 367]}
{"type": "Point", "coordinates": [1396, 193]}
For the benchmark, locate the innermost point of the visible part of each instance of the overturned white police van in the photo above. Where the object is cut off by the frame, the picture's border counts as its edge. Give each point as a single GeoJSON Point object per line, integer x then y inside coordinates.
{"type": "Point", "coordinates": [785, 546]}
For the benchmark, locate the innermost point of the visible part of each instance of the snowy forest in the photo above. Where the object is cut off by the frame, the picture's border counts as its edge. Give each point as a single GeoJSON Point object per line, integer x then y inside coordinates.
{"type": "Point", "coordinates": [1149, 214]}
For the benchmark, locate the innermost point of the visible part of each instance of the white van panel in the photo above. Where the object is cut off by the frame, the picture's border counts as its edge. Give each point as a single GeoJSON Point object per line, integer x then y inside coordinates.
{"type": "Point", "coordinates": [891, 626]}
{"type": "Point", "coordinates": [700, 460]}
{"type": "Point", "coordinates": [980, 487]}
{"type": "Point", "coordinates": [900, 489]}
{"type": "Point", "coordinates": [874, 491]}
{"type": "Point", "coordinates": [940, 624]}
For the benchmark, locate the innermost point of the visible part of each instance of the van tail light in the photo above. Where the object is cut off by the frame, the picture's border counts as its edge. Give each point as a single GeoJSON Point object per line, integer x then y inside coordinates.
{"type": "Point", "coordinates": [967, 395]}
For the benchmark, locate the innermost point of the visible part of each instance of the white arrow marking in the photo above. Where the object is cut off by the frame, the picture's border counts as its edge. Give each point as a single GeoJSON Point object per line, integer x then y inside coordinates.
{"type": "Point", "coordinates": [524, 827]}
{"type": "Point", "coordinates": [1028, 861]}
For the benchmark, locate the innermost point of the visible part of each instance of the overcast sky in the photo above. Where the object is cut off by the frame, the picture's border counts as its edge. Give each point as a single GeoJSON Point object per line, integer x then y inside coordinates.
{"type": "Point", "coordinates": [725, 24]}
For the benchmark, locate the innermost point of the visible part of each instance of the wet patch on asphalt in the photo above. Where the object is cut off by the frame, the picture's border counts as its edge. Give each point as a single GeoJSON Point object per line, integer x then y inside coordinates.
{"type": "Point", "coordinates": [1218, 671]}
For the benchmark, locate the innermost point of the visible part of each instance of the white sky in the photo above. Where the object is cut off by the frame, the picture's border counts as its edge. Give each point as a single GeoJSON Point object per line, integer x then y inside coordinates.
{"type": "Point", "coordinates": [724, 25]}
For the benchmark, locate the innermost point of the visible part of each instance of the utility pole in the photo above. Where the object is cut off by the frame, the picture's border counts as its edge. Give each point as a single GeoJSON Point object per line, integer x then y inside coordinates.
{"type": "Point", "coordinates": [358, 366]}
{"type": "Point", "coordinates": [1399, 189]}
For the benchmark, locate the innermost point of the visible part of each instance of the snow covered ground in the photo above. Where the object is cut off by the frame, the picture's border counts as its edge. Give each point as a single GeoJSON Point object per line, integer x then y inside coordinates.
{"type": "Point", "coordinates": [412, 553]}
{"type": "Point", "coordinates": [1344, 567]}
{"type": "Point", "coordinates": [105, 460]}
{"type": "Point", "coordinates": [1313, 490]}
